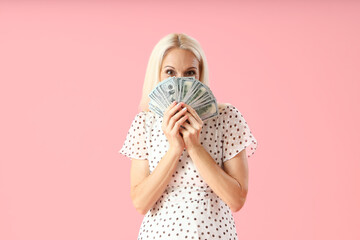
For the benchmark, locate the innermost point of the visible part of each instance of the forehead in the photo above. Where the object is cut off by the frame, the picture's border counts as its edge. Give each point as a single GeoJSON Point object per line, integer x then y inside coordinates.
{"type": "Point", "coordinates": [180, 58]}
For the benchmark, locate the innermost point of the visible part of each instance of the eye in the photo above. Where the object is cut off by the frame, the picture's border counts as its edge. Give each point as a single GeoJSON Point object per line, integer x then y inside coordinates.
{"type": "Point", "coordinates": [191, 71]}
{"type": "Point", "coordinates": [167, 71]}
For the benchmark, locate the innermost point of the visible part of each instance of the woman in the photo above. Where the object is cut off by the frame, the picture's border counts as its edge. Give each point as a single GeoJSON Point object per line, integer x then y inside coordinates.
{"type": "Point", "coordinates": [186, 181]}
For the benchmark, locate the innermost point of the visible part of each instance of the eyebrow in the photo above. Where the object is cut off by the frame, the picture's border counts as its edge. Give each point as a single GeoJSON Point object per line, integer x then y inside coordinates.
{"type": "Point", "coordinates": [187, 69]}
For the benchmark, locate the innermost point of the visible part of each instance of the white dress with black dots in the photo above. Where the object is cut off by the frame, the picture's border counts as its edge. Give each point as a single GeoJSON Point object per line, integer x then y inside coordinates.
{"type": "Point", "coordinates": [188, 208]}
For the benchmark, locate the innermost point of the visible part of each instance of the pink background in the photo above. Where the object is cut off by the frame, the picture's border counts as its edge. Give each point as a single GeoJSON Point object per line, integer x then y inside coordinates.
{"type": "Point", "coordinates": [71, 78]}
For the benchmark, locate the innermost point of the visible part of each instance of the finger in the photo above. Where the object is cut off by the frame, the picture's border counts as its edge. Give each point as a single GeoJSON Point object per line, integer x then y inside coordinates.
{"type": "Point", "coordinates": [194, 113]}
{"type": "Point", "coordinates": [183, 131]}
{"type": "Point", "coordinates": [188, 127]}
{"type": "Point", "coordinates": [176, 117]}
{"type": "Point", "coordinates": [171, 111]}
{"type": "Point", "coordinates": [170, 106]}
{"type": "Point", "coordinates": [193, 122]}
{"type": "Point", "coordinates": [179, 123]}
{"type": "Point", "coordinates": [166, 115]}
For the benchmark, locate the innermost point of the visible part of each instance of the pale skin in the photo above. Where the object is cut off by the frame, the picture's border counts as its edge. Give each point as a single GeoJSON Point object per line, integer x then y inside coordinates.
{"type": "Point", "coordinates": [229, 183]}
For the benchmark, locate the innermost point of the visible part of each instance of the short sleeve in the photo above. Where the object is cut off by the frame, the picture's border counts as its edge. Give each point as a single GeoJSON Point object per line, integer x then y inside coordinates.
{"type": "Point", "coordinates": [236, 134]}
{"type": "Point", "coordinates": [135, 142]}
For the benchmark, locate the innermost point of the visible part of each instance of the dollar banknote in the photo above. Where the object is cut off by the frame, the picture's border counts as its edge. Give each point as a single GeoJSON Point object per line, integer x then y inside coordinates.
{"type": "Point", "coordinates": [183, 89]}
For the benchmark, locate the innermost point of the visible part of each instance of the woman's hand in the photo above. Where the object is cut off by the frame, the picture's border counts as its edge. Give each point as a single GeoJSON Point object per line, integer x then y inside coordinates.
{"type": "Point", "coordinates": [193, 127]}
{"type": "Point", "coordinates": [173, 118]}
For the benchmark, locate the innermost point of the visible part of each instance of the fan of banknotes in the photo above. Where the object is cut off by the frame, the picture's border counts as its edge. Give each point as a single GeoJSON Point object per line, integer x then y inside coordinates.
{"type": "Point", "coordinates": [183, 89]}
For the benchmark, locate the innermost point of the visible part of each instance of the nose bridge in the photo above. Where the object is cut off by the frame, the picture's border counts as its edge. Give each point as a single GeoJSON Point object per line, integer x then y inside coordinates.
{"type": "Point", "coordinates": [181, 74]}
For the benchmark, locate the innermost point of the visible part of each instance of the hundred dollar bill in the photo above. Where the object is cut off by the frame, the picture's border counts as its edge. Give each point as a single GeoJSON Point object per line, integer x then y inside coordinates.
{"type": "Point", "coordinates": [169, 90]}
{"type": "Point", "coordinates": [183, 89]}
{"type": "Point", "coordinates": [186, 88]}
{"type": "Point", "coordinates": [207, 111]}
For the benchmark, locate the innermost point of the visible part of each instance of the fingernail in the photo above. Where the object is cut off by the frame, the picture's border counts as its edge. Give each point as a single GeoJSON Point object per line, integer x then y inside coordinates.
{"type": "Point", "coordinates": [178, 104]}
{"type": "Point", "coordinates": [173, 102]}
{"type": "Point", "coordinates": [184, 108]}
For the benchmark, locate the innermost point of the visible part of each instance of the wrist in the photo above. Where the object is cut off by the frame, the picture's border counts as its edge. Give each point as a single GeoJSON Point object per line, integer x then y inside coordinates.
{"type": "Point", "coordinates": [194, 148]}
{"type": "Point", "coordinates": [175, 150]}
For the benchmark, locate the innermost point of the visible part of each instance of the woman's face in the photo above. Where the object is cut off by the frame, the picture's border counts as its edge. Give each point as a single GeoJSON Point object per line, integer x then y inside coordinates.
{"type": "Point", "coordinates": [179, 63]}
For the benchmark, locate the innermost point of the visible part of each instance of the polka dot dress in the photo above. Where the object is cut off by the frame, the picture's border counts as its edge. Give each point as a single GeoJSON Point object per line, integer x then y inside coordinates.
{"type": "Point", "coordinates": [188, 208]}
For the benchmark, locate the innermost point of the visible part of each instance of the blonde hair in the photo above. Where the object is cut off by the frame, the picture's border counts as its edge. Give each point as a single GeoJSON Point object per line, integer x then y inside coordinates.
{"type": "Point", "coordinates": [170, 41]}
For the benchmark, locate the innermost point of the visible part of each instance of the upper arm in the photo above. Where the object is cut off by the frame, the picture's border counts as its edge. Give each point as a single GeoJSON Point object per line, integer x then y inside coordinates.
{"type": "Point", "coordinates": [138, 172]}
{"type": "Point", "coordinates": [237, 167]}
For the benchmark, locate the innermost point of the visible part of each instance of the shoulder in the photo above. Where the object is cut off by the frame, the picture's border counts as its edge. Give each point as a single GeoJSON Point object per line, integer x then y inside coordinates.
{"type": "Point", "coordinates": [144, 115]}
{"type": "Point", "coordinates": [228, 110]}
{"type": "Point", "coordinates": [230, 115]}
{"type": "Point", "coordinates": [146, 119]}
{"type": "Point", "coordinates": [139, 117]}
